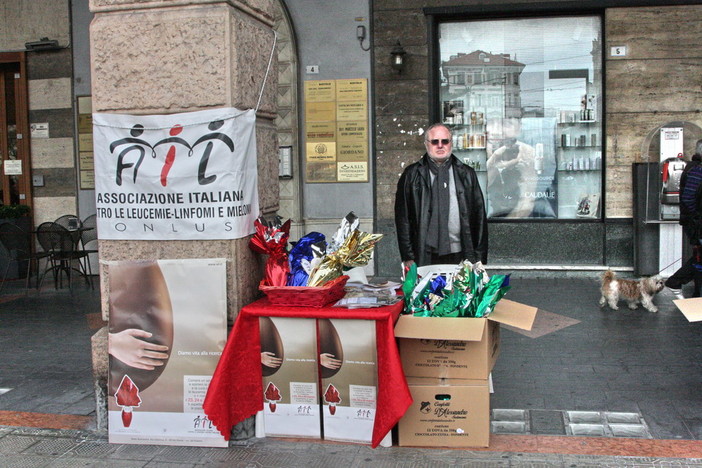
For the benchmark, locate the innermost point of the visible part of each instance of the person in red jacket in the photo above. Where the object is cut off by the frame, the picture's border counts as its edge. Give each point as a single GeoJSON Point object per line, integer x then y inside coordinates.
{"type": "Point", "coordinates": [439, 207]}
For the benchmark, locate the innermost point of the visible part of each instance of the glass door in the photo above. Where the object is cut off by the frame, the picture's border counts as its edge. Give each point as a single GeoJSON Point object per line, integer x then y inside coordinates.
{"type": "Point", "coordinates": [14, 135]}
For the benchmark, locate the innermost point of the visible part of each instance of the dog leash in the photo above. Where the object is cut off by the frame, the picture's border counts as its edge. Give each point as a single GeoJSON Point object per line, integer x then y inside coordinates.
{"type": "Point", "coordinates": [670, 264]}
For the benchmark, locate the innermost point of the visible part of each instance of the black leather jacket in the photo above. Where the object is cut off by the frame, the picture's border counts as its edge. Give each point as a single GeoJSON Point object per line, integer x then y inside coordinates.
{"type": "Point", "coordinates": [412, 202]}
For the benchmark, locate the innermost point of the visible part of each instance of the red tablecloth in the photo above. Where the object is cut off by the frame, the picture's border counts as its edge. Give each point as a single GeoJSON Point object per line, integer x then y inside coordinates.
{"type": "Point", "coordinates": [236, 389]}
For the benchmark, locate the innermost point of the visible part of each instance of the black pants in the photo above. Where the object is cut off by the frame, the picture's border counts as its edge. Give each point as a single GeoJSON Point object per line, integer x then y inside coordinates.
{"type": "Point", "coordinates": [450, 259]}
{"type": "Point", "coordinates": [684, 275]}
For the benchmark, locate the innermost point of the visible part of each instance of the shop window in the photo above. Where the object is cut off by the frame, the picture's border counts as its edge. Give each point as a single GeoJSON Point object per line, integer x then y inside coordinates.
{"type": "Point", "coordinates": [530, 120]}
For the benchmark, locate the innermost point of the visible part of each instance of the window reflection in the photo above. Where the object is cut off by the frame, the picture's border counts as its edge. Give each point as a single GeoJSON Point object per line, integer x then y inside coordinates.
{"type": "Point", "coordinates": [523, 98]}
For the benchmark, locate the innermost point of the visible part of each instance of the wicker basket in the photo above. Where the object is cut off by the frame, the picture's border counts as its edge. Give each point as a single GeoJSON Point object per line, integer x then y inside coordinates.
{"type": "Point", "coordinates": [305, 296]}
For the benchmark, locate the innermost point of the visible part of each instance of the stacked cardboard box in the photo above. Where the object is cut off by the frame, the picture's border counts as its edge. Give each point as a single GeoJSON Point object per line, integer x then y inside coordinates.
{"type": "Point", "coordinates": [447, 362]}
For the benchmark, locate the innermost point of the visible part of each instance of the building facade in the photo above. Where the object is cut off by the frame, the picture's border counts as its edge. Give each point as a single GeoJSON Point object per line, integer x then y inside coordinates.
{"type": "Point", "coordinates": [629, 71]}
{"type": "Point", "coordinates": [37, 108]}
{"type": "Point", "coordinates": [583, 89]}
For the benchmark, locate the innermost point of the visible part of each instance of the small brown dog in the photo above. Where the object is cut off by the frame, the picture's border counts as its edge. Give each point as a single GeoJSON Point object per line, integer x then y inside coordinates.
{"type": "Point", "coordinates": [633, 291]}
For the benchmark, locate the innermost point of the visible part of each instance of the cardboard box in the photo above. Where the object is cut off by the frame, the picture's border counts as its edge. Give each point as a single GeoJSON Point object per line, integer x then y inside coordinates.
{"type": "Point", "coordinates": [446, 413]}
{"type": "Point", "coordinates": [291, 401]}
{"type": "Point", "coordinates": [457, 348]}
{"type": "Point", "coordinates": [691, 308]}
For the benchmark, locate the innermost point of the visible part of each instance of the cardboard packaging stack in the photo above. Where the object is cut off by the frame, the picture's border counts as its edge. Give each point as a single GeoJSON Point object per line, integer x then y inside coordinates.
{"type": "Point", "coordinates": [447, 362]}
{"type": "Point", "coordinates": [319, 378]}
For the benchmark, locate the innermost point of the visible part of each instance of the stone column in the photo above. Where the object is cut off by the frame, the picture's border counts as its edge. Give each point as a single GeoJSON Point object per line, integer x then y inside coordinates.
{"type": "Point", "coordinates": [170, 56]}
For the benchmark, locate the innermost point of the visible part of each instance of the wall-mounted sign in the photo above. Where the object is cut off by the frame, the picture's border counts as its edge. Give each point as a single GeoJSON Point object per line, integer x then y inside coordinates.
{"type": "Point", "coordinates": [321, 151]}
{"type": "Point", "coordinates": [285, 162]}
{"type": "Point", "coordinates": [618, 51]}
{"type": "Point", "coordinates": [352, 171]}
{"type": "Point", "coordinates": [336, 131]}
{"type": "Point", "coordinates": [12, 167]}
{"type": "Point", "coordinates": [671, 142]}
{"type": "Point", "coordinates": [320, 91]}
{"type": "Point", "coordinates": [86, 161]}
{"type": "Point", "coordinates": [351, 90]}
{"type": "Point", "coordinates": [39, 130]}
{"type": "Point", "coordinates": [87, 179]}
{"type": "Point", "coordinates": [351, 110]}
{"type": "Point", "coordinates": [85, 143]}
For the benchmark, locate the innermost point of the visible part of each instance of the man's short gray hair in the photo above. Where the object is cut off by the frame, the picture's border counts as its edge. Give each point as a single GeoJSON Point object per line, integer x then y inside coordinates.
{"type": "Point", "coordinates": [436, 125]}
{"type": "Point", "coordinates": [698, 147]}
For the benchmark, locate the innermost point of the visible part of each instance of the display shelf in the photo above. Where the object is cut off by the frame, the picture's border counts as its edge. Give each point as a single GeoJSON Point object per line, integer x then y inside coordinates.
{"type": "Point", "coordinates": [576, 147]}
{"type": "Point", "coordinates": [577, 122]}
{"type": "Point", "coordinates": [454, 115]}
{"type": "Point", "coordinates": [469, 134]}
{"type": "Point", "coordinates": [582, 140]}
{"type": "Point", "coordinates": [477, 160]}
{"type": "Point", "coordinates": [579, 165]}
{"type": "Point", "coordinates": [573, 187]}
{"type": "Point", "coordinates": [469, 141]}
{"type": "Point", "coordinates": [578, 170]}
{"type": "Point", "coordinates": [473, 128]}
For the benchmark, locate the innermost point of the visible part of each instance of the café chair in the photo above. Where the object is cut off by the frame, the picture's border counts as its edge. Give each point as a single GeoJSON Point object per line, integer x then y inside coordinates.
{"type": "Point", "coordinates": [89, 234]}
{"type": "Point", "coordinates": [64, 250]}
{"type": "Point", "coordinates": [72, 223]}
{"type": "Point", "coordinates": [17, 242]}
{"type": "Point", "coordinates": [88, 239]}
{"type": "Point", "coordinates": [69, 221]}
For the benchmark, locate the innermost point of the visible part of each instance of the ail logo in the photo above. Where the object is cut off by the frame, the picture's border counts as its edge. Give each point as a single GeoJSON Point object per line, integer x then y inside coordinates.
{"type": "Point", "coordinates": [202, 422]}
{"type": "Point", "coordinates": [131, 151]}
{"type": "Point", "coordinates": [425, 407]}
{"type": "Point", "coordinates": [304, 409]}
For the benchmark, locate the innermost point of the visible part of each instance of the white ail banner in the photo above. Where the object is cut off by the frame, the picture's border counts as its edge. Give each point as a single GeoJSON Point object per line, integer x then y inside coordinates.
{"type": "Point", "coordinates": [181, 176]}
{"type": "Point", "coordinates": [167, 329]}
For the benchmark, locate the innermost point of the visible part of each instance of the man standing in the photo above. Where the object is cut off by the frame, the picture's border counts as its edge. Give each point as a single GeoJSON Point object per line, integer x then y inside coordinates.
{"type": "Point", "coordinates": [439, 207]}
{"type": "Point", "coordinates": [691, 221]}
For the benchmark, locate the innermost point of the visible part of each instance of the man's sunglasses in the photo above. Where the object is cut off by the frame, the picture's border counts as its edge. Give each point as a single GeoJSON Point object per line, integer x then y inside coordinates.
{"type": "Point", "coordinates": [444, 141]}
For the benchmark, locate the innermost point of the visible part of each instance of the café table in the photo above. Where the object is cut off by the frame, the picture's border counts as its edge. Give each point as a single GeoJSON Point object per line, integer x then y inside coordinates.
{"type": "Point", "coordinates": [236, 390]}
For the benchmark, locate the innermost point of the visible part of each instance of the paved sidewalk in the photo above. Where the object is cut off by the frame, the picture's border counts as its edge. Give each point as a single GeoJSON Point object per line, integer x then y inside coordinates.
{"type": "Point", "coordinates": [23, 447]}
{"type": "Point", "coordinates": [580, 361]}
